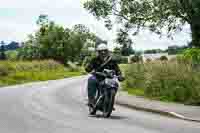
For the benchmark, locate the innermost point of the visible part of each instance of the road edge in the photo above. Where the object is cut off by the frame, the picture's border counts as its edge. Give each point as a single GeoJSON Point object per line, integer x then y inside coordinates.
{"type": "Point", "coordinates": [161, 112]}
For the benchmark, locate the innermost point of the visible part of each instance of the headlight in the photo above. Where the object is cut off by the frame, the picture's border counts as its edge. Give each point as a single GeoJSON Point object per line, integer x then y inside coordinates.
{"type": "Point", "coordinates": [111, 82]}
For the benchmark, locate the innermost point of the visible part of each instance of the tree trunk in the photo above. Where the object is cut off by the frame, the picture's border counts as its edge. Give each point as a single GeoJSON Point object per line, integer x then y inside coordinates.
{"type": "Point", "coordinates": [195, 29]}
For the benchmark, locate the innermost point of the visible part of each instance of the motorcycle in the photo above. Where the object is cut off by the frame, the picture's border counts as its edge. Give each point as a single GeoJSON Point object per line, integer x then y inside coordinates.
{"type": "Point", "coordinates": [106, 91]}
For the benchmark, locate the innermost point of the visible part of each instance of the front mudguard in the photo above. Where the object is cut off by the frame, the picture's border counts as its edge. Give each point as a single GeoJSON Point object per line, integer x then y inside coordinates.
{"type": "Point", "coordinates": [109, 103]}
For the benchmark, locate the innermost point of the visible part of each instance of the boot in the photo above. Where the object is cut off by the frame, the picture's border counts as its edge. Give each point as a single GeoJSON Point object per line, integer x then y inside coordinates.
{"type": "Point", "coordinates": [91, 102]}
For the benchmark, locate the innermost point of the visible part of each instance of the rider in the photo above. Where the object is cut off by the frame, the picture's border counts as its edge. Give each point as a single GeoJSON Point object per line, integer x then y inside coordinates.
{"type": "Point", "coordinates": [103, 61]}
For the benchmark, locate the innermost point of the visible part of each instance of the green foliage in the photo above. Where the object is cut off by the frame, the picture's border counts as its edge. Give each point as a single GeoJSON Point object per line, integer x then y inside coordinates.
{"type": "Point", "coordinates": [135, 76]}
{"type": "Point", "coordinates": [43, 19]}
{"type": "Point", "coordinates": [6, 68]}
{"type": "Point", "coordinates": [117, 51]}
{"type": "Point", "coordinates": [192, 55]}
{"type": "Point", "coordinates": [123, 60]}
{"type": "Point", "coordinates": [153, 51]}
{"type": "Point", "coordinates": [180, 59]}
{"type": "Point", "coordinates": [173, 50]}
{"type": "Point", "coordinates": [2, 53]}
{"type": "Point", "coordinates": [156, 15]}
{"type": "Point", "coordinates": [165, 81]}
{"type": "Point", "coordinates": [127, 50]}
{"type": "Point", "coordinates": [53, 41]}
{"type": "Point", "coordinates": [12, 55]}
{"type": "Point", "coordinates": [118, 58]}
{"type": "Point", "coordinates": [163, 58]}
{"type": "Point", "coordinates": [88, 58]}
{"type": "Point", "coordinates": [136, 59]}
{"type": "Point", "coordinates": [27, 71]}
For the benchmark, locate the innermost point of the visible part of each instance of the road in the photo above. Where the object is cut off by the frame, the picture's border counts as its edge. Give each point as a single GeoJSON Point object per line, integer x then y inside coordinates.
{"type": "Point", "coordinates": [59, 107]}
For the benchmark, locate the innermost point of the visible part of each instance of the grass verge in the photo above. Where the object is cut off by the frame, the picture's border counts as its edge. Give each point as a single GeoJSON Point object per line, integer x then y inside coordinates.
{"type": "Point", "coordinates": [12, 73]}
{"type": "Point", "coordinates": [164, 81]}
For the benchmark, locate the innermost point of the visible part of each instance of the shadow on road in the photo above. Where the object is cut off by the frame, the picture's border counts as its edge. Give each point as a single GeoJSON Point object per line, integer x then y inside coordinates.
{"type": "Point", "coordinates": [112, 117]}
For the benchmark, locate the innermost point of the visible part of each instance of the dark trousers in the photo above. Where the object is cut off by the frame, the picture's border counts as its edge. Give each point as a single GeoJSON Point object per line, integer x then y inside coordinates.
{"type": "Point", "coordinates": [92, 86]}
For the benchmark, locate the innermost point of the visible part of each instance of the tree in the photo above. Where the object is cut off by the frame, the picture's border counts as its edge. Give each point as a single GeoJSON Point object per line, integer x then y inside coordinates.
{"type": "Point", "coordinates": [43, 22]}
{"type": "Point", "coordinates": [163, 58]}
{"type": "Point", "coordinates": [43, 19]}
{"type": "Point", "coordinates": [80, 28]}
{"type": "Point", "coordinates": [117, 51]}
{"type": "Point", "coordinates": [12, 46]}
{"type": "Point", "coordinates": [2, 53]}
{"type": "Point", "coordinates": [127, 49]}
{"type": "Point", "coordinates": [156, 15]}
{"type": "Point", "coordinates": [53, 41]}
{"type": "Point", "coordinates": [173, 50]}
{"type": "Point", "coordinates": [153, 51]}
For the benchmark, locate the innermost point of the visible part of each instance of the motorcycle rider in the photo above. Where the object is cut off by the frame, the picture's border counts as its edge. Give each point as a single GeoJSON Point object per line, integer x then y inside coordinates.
{"type": "Point", "coordinates": [102, 61]}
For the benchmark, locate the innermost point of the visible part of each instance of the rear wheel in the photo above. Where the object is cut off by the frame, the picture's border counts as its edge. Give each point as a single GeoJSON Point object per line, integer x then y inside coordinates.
{"type": "Point", "coordinates": [108, 103]}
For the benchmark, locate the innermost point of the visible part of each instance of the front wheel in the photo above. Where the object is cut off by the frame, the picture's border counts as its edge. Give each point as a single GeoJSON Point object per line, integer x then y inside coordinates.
{"type": "Point", "coordinates": [92, 111]}
{"type": "Point", "coordinates": [108, 103]}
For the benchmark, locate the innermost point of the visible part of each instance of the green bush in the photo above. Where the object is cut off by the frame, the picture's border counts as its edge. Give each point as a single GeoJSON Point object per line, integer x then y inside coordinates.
{"type": "Point", "coordinates": [163, 58]}
{"type": "Point", "coordinates": [192, 54]}
{"type": "Point", "coordinates": [117, 58]}
{"type": "Point", "coordinates": [6, 68]}
{"type": "Point", "coordinates": [86, 60]}
{"type": "Point", "coordinates": [136, 58]}
{"type": "Point", "coordinates": [124, 60]}
{"type": "Point", "coordinates": [135, 76]}
{"type": "Point", "coordinates": [148, 60]}
{"type": "Point", "coordinates": [12, 55]}
{"type": "Point", "coordinates": [165, 81]}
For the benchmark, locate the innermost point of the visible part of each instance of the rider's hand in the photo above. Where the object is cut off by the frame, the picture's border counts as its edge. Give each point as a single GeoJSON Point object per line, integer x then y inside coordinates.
{"type": "Point", "coordinates": [121, 78]}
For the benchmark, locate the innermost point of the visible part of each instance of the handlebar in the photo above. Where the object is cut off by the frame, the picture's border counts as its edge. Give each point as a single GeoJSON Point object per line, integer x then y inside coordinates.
{"type": "Point", "coordinates": [100, 74]}
{"type": "Point", "coordinates": [120, 78]}
{"type": "Point", "coordinates": [104, 74]}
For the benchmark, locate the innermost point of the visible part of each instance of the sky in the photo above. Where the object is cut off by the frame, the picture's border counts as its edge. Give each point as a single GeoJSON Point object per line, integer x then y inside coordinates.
{"type": "Point", "coordinates": [18, 20]}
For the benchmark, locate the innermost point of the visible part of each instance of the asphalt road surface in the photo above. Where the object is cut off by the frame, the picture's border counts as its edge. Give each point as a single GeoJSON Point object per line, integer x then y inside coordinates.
{"type": "Point", "coordinates": [59, 107]}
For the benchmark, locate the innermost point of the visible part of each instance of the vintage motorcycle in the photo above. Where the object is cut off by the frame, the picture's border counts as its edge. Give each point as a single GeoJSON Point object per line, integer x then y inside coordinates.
{"type": "Point", "coordinates": [106, 91]}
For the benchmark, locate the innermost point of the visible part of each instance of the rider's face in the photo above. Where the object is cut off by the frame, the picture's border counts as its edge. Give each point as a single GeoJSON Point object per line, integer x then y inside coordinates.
{"type": "Point", "coordinates": [103, 53]}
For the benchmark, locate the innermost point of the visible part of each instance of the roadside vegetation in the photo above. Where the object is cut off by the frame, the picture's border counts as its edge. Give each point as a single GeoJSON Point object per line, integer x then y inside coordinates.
{"type": "Point", "coordinates": [27, 71]}
{"type": "Point", "coordinates": [51, 52]}
{"type": "Point", "coordinates": [172, 81]}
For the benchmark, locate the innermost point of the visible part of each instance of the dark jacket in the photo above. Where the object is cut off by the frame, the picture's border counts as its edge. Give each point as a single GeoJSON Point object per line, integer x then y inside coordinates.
{"type": "Point", "coordinates": [96, 63]}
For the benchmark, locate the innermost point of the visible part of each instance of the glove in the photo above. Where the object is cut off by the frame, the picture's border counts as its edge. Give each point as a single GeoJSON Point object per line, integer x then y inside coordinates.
{"type": "Point", "coordinates": [121, 78]}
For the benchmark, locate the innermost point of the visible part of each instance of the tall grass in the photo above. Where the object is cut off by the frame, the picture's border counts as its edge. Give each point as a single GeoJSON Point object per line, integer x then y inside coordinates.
{"type": "Point", "coordinates": [26, 71]}
{"type": "Point", "coordinates": [170, 81]}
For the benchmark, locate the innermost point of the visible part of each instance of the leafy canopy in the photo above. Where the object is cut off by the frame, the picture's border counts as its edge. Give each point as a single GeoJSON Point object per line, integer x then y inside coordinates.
{"type": "Point", "coordinates": [156, 15]}
{"type": "Point", "coordinates": [53, 41]}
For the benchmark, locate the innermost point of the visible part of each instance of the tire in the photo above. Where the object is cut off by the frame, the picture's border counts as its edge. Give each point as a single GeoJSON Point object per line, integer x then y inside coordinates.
{"type": "Point", "coordinates": [92, 111]}
{"type": "Point", "coordinates": [108, 104]}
